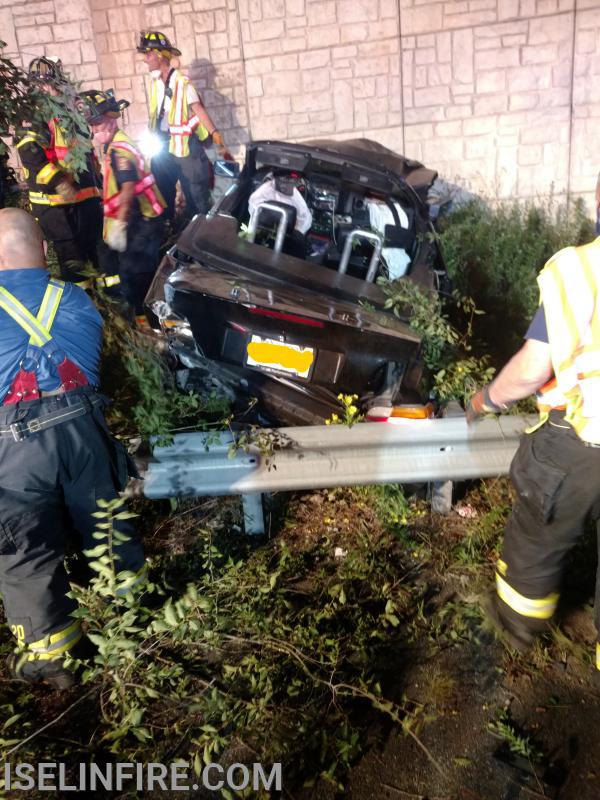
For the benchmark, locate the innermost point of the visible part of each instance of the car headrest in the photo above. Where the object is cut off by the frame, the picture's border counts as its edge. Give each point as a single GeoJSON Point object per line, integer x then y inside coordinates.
{"type": "Point", "coordinates": [269, 218]}
{"type": "Point", "coordinates": [396, 236]}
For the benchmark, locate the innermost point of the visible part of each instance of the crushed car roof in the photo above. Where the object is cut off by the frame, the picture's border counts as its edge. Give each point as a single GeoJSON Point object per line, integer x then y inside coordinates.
{"type": "Point", "coordinates": [359, 152]}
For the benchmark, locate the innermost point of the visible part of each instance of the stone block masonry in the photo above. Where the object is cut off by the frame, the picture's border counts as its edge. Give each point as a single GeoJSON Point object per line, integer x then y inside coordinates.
{"type": "Point", "coordinates": [501, 93]}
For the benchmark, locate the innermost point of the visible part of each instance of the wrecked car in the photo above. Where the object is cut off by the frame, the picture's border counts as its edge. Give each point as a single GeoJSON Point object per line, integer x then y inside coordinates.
{"type": "Point", "coordinates": [274, 293]}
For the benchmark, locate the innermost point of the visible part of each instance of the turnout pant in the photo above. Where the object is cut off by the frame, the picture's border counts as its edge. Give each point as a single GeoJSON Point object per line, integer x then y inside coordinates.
{"type": "Point", "coordinates": [557, 480]}
{"type": "Point", "coordinates": [75, 230]}
{"type": "Point", "coordinates": [50, 483]}
{"type": "Point", "coordinates": [194, 174]}
{"type": "Point", "coordinates": [138, 263]}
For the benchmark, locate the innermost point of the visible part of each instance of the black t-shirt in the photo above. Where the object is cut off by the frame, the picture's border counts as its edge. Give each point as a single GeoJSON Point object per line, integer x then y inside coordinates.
{"type": "Point", "coordinates": [124, 169]}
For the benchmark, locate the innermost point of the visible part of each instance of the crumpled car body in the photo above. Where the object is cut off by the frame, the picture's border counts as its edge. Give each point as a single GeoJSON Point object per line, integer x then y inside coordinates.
{"type": "Point", "coordinates": [293, 315]}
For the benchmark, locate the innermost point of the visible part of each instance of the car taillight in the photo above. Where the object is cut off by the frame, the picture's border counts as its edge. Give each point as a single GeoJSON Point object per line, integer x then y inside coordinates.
{"type": "Point", "coordinates": [179, 326]}
{"type": "Point", "coordinates": [396, 415]}
{"type": "Point", "coordinates": [265, 312]}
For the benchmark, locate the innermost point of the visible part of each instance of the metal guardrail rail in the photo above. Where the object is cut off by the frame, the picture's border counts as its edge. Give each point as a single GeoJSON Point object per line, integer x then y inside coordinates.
{"type": "Point", "coordinates": [200, 464]}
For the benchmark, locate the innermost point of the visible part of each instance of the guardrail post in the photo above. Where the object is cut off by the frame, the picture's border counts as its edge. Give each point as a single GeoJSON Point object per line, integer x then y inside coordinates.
{"type": "Point", "coordinates": [441, 497]}
{"type": "Point", "coordinates": [254, 518]}
{"type": "Point", "coordinates": [441, 491]}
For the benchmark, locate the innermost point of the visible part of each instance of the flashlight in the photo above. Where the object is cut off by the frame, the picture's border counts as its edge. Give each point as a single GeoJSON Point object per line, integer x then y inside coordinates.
{"type": "Point", "coordinates": [150, 144]}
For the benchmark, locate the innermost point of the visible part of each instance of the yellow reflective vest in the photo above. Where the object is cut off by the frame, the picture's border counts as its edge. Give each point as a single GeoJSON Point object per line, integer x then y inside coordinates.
{"type": "Point", "coordinates": [570, 292]}
{"type": "Point", "coordinates": [44, 154]}
{"type": "Point", "coordinates": [151, 202]}
{"type": "Point", "coordinates": [182, 124]}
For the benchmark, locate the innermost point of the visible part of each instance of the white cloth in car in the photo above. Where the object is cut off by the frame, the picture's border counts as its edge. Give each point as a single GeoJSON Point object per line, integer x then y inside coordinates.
{"type": "Point", "coordinates": [267, 191]}
{"type": "Point", "coordinates": [380, 215]}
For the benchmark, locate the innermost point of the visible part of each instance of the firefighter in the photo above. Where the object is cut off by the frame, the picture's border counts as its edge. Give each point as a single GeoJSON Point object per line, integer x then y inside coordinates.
{"type": "Point", "coordinates": [8, 183]}
{"type": "Point", "coordinates": [57, 458]}
{"type": "Point", "coordinates": [556, 469]}
{"type": "Point", "coordinates": [178, 117]}
{"type": "Point", "coordinates": [66, 205]}
{"type": "Point", "coordinates": [133, 205]}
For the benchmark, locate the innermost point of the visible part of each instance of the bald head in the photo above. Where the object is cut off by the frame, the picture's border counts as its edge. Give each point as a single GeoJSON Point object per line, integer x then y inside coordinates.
{"type": "Point", "coordinates": [21, 240]}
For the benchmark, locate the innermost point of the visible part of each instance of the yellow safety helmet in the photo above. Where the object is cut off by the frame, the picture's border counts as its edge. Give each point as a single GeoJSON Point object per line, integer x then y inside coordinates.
{"type": "Point", "coordinates": [155, 40]}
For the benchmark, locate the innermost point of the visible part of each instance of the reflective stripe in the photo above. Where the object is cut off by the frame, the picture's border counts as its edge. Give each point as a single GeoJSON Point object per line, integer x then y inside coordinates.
{"type": "Point", "coordinates": [38, 334]}
{"type": "Point", "coordinates": [180, 130]}
{"type": "Point", "coordinates": [46, 173]}
{"type": "Point", "coordinates": [111, 205]}
{"type": "Point", "coordinates": [109, 280]}
{"type": "Point", "coordinates": [542, 608]}
{"type": "Point", "coordinates": [50, 303]}
{"type": "Point", "coordinates": [55, 644]}
{"type": "Point", "coordinates": [37, 327]}
{"type": "Point", "coordinates": [597, 655]}
{"type": "Point", "coordinates": [43, 199]}
{"type": "Point", "coordinates": [582, 376]}
{"type": "Point", "coordinates": [153, 103]}
{"type": "Point", "coordinates": [501, 566]}
{"type": "Point", "coordinates": [86, 284]}
{"type": "Point", "coordinates": [30, 138]}
{"type": "Point", "coordinates": [591, 275]}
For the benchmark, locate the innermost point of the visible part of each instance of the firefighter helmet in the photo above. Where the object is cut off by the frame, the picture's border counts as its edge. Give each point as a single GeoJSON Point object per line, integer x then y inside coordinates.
{"type": "Point", "coordinates": [155, 40]}
{"type": "Point", "coordinates": [98, 104]}
{"type": "Point", "coordinates": [46, 69]}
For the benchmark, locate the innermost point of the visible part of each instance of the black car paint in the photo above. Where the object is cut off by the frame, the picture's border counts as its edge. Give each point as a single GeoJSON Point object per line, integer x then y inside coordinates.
{"type": "Point", "coordinates": [229, 289]}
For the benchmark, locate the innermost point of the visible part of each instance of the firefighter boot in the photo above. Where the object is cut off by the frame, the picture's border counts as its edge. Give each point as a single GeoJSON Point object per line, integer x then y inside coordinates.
{"type": "Point", "coordinates": [51, 672]}
{"type": "Point", "coordinates": [518, 636]}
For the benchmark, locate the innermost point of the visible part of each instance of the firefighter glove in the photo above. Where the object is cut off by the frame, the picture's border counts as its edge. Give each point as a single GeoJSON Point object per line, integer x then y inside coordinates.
{"type": "Point", "coordinates": [67, 190]}
{"type": "Point", "coordinates": [117, 236]}
{"type": "Point", "coordinates": [481, 404]}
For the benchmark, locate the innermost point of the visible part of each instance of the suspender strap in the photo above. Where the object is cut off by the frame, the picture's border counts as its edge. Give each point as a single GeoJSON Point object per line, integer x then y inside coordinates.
{"type": "Point", "coordinates": [25, 383]}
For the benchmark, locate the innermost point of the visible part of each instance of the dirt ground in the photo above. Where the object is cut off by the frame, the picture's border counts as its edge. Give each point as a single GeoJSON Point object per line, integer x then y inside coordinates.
{"type": "Point", "coordinates": [549, 697]}
{"type": "Point", "coordinates": [556, 707]}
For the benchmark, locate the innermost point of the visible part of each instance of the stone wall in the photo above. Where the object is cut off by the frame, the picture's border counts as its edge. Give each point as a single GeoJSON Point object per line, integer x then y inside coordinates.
{"type": "Point", "coordinates": [499, 93]}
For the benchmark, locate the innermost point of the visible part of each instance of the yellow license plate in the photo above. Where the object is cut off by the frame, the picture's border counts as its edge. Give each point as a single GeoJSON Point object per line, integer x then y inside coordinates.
{"type": "Point", "coordinates": [291, 358]}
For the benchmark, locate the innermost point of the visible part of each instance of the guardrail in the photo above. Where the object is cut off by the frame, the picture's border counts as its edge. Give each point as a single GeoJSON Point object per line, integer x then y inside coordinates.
{"type": "Point", "coordinates": [200, 464]}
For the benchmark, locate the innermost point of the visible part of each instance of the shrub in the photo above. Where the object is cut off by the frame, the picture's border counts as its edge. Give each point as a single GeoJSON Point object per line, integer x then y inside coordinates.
{"type": "Point", "coordinates": [494, 253]}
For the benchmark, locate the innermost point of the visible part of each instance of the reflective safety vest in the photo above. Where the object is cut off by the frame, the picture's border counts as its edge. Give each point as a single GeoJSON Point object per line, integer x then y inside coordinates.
{"type": "Point", "coordinates": [150, 199]}
{"type": "Point", "coordinates": [25, 385]}
{"type": "Point", "coordinates": [570, 291]}
{"type": "Point", "coordinates": [181, 124]}
{"type": "Point", "coordinates": [56, 148]}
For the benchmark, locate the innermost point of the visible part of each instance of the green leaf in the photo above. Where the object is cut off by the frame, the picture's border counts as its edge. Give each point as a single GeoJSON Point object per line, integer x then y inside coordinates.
{"type": "Point", "coordinates": [170, 615]}
{"type": "Point", "coordinates": [11, 720]}
{"type": "Point", "coordinates": [94, 552]}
